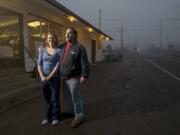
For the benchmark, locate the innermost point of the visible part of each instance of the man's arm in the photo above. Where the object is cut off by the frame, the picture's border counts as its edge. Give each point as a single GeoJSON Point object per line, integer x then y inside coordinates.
{"type": "Point", "coordinates": [85, 66]}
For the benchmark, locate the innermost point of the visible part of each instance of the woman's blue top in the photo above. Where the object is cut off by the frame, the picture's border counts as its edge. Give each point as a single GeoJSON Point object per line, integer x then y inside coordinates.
{"type": "Point", "coordinates": [48, 62]}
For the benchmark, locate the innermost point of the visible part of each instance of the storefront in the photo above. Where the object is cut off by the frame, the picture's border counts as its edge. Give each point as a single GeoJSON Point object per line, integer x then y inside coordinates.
{"type": "Point", "coordinates": [37, 31]}
{"type": "Point", "coordinates": [11, 52]}
{"type": "Point", "coordinates": [24, 26]}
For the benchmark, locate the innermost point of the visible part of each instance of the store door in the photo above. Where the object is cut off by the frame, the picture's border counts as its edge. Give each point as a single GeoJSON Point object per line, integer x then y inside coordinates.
{"type": "Point", "coordinates": [93, 51]}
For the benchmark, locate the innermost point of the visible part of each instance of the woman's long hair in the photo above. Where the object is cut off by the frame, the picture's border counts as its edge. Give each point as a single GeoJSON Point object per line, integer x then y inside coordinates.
{"type": "Point", "coordinates": [54, 34]}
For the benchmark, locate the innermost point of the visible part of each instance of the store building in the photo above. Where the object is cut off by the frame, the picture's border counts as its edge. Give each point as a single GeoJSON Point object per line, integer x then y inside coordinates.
{"type": "Point", "coordinates": [24, 25]}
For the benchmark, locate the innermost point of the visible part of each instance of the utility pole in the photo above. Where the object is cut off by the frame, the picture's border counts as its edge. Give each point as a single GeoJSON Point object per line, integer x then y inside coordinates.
{"type": "Point", "coordinates": [122, 39]}
{"type": "Point", "coordinates": [167, 40]}
{"type": "Point", "coordinates": [160, 34]}
{"type": "Point", "coordinates": [171, 19]}
{"type": "Point", "coordinates": [100, 11]}
{"type": "Point", "coordinates": [135, 44]}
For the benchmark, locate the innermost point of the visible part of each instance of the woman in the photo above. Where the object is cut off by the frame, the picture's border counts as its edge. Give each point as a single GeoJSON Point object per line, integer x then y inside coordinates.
{"type": "Point", "coordinates": [48, 68]}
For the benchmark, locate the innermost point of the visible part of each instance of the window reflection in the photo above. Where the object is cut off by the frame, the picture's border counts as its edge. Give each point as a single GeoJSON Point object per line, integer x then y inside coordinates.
{"type": "Point", "coordinates": [9, 34]}
{"type": "Point", "coordinates": [38, 29]}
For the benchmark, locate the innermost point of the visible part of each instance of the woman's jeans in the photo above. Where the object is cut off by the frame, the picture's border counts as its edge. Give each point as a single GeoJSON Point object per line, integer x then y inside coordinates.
{"type": "Point", "coordinates": [51, 91]}
{"type": "Point", "coordinates": [73, 97]}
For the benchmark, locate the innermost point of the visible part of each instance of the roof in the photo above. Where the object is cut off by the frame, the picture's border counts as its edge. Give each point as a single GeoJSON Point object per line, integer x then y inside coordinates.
{"type": "Point", "coordinates": [66, 10]}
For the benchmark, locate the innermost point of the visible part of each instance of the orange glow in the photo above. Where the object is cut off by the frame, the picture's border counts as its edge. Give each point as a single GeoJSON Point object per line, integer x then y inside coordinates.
{"type": "Point", "coordinates": [90, 29]}
{"type": "Point", "coordinates": [35, 24]}
{"type": "Point", "coordinates": [107, 38]}
{"type": "Point", "coordinates": [72, 19]}
{"type": "Point", "coordinates": [101, 37]}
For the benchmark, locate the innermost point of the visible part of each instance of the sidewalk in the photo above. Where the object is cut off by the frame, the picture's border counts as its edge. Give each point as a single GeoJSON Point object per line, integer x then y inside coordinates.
{"type": "Point", "coordinates": [102, 76]}
{"type": "Point", "coordinates": [103, 92]}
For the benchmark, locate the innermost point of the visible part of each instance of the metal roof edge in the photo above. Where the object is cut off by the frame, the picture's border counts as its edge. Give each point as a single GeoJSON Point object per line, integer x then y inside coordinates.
{"type": "Point", "coordinates": [60, 6]}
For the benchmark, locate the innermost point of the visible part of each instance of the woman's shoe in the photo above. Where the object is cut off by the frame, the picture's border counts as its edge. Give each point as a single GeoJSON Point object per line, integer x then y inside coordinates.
{"type": "Point", "coordinates": [44, 122]}
{"type": "Point", "coordinates": [55, 122]}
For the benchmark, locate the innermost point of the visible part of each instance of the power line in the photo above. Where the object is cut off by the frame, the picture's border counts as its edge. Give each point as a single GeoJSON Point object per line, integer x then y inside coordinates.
{"type": "Point", "coordinates": [131, 29]}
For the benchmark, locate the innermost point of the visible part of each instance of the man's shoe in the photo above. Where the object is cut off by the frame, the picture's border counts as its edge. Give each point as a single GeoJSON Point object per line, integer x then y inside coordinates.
{"type": "Point", "coordinates": [76, 123]}
{"type": "Point", "coordinates": [44, 122]}
{"type": "Point", "coordinates": [55, 122]}
{"type": "Point", "coordinates": [68, 115]}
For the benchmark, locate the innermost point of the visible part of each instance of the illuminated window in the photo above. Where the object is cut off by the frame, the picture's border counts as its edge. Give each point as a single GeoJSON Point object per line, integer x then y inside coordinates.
{"type": "Point", "coordinates": [58, 29]}
{"type": "Point", "coordinates": [9, 34]}
{"type": "Point", "coordinates": [38, 29]}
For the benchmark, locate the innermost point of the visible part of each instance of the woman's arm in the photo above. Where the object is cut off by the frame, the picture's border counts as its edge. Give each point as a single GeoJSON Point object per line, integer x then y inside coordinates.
{"type": "Point", "coordinates": [41, 74]}
{"type": "Point", "coordinates": [53, 73]}
{"type": "Point", "coordinates": [40, 65]}
{"type": "Point", "coordinates": [56, 68]}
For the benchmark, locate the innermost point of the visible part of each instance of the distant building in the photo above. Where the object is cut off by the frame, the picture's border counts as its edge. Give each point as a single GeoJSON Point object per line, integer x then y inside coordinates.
{"type": "Point", "coordinates": [24, 25]}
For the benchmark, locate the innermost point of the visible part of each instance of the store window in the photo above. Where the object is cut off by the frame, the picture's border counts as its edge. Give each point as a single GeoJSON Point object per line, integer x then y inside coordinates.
{"type": "Point", "coordinates": [58, 29]}
{"type": "Point", "coordinates": [9, 34]}
{"type": "Point", "coordinates": [38, 29]}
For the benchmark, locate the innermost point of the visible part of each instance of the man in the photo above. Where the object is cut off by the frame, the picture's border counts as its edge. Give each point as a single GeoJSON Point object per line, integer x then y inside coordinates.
{"type": "Point", "coordinates": [74, 70]}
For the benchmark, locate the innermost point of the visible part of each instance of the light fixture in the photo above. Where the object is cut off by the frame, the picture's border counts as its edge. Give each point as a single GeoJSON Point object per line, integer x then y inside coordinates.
{"type": "Point", "coordinates": [90, 29]}
{"type": "Point", "coordinates": [107, 38]}
{"type": "Point", "coordinates": [4, 35]}
{"type": "Point", "coordinates": [36, 35]}
{"type": "Point", "coordinates": [101, 37]}
{"type": "Point", "coordinates": [71, 18]}
{"type": "Point", "coordinates": [35, 24]}
{"type": "Point", "coordinates": [2, 24]}
{"type": "Point", "coordinates": [39, 35]}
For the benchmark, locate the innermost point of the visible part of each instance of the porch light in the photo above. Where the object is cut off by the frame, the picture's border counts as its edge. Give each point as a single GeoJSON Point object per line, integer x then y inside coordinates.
{"type": "Point", "coordinates": [72, 19]}
{"type": "Point", "coordinates": [90, 29]}
{"type": "Point", "coordinates": [107, 38]}
{"type": "Point", "coordinates": [101, 37]}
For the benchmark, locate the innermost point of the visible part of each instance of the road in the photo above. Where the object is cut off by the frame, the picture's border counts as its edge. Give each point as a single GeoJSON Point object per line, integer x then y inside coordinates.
{"type": "Point", "coordinates": [139, 96]}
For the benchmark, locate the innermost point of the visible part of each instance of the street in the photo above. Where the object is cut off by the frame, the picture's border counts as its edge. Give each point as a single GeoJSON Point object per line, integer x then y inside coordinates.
{"type": "Point", "coordinates": [139, 96]}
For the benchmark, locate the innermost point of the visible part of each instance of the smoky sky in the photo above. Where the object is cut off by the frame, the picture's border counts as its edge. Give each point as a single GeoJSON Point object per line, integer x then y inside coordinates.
{"type": "Point", "coordinates": [140, 18]}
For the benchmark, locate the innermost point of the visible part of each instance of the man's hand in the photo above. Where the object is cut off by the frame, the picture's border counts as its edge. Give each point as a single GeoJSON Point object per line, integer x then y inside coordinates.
{"type": "Point", "coordinates": [82, 80]}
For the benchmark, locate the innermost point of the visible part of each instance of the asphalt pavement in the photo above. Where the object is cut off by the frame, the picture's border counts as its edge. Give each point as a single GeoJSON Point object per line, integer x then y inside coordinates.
{"type": "Point", "coordinates": [138, 96]}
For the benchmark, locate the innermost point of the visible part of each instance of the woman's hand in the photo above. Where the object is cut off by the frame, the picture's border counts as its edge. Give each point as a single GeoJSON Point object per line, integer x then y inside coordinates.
{"type": "Point", "coordinates": [82, 80]}
{"type": "Point", "coordinates": [47, 78]}
{"type": "Point", "coordinates": [43, 78]}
